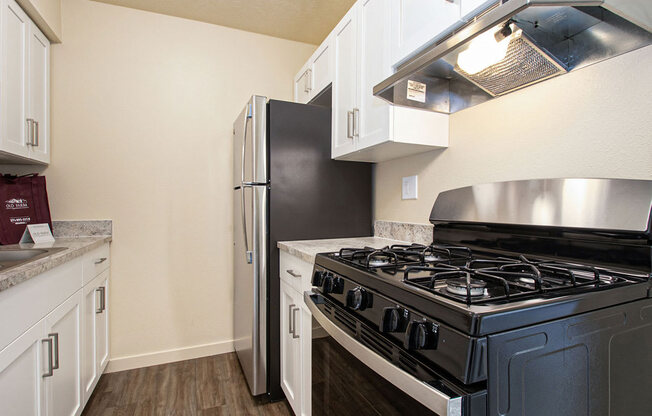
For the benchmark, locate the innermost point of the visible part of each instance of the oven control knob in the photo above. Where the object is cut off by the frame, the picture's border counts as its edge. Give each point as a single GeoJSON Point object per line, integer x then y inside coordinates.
{"type": "Point", "coordinates": [358, 299]}
{"type": "Point", "coordinates": [421, 335]}
{"type": "Point", "coordinates": [338, 285]}
{"type": "Point", "coordinates": [317, 278]}
{"type": "Point", "coordinates": [327, 283]}
{"type": "Point", "coordinates": [393, 319]}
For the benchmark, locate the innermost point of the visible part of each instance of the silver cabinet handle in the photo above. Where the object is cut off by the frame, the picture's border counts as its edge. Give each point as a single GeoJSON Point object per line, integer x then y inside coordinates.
{"type": "Point", "coordinates": [349, 122]}
{"type": "Point", "coordinates": [100, 260]}
{"type": "Point", "coordinates": [308, 80]}
{"type": "Point", "coordinates": [102, 291]}
{"type": "Point", "coordinates": [36, 138]}
{"type": "Point", "coordinates": [55, 336]}
{"type": "Point", "coordinates": [50, 371]}
{"type": "Point", "coordinates": [30, 131]}
{"type": "Point", "coordinates": [356, 122]}
{"type": "Point", "coordinates": [290, 328]}
{"type": "Point", "coordinates": [293, 273]}
{"type": "Point", "coordinates": [294, 323]}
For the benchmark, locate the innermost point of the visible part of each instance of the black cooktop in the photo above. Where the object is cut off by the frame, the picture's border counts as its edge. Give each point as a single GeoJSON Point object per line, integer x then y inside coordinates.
{"type": "Point", "coordinates": [483, 293]}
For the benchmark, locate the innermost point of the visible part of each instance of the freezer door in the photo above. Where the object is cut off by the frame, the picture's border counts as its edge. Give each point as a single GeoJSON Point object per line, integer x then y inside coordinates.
{"type": "Point", "coordinates": [250, 144]}
{"type": "Point", "coordinates": [250, 283]}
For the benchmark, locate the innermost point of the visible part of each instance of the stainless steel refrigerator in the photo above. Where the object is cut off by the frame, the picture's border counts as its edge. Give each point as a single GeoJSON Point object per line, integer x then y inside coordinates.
{"type": "Point", "coordinates": [286, 187]}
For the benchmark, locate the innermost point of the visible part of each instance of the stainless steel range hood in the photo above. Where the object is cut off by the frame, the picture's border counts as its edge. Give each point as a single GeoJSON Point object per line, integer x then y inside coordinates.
{"type": "Point", "coordinates": [513, 45]}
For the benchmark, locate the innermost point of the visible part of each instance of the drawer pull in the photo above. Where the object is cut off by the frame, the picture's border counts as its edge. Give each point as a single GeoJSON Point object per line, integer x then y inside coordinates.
{"type": "Point", "coordinates": [50, 371]}
{"type": "Point", "coordinates": [293, 273]}
{"type": "Point", "coordinates": [102, 291]}
{"type": "Point", "coordinates": [100, 260]}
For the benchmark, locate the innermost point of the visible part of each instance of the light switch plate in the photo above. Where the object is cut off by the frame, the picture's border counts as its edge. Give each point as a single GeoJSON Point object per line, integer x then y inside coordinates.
{"type": "Point", "coordinates": [409, 187]}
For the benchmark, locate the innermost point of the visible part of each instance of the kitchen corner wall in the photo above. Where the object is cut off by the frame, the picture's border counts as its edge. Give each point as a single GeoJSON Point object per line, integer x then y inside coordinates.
{"type": "Point", "coordinates": [142, 113]}
{"type": "Point", "coordinates": [594, 122]}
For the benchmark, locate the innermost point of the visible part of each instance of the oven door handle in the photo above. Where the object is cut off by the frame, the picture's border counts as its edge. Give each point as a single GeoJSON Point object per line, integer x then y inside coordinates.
{"type": "Point", "coordinates": [430, 397]}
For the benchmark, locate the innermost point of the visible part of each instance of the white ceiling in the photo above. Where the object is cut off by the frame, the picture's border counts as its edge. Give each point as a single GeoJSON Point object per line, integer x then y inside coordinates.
{"type": "Point", "coordinates": [301, 20]}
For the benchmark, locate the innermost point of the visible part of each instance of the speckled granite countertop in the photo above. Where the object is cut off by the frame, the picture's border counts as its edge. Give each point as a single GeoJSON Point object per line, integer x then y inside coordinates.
{"type": "Point", "coordinates": [307, 249]}
{"type": "Point", "coordinates": [77, 237]}
{"type": "Point", "coordinates": [75, 247]}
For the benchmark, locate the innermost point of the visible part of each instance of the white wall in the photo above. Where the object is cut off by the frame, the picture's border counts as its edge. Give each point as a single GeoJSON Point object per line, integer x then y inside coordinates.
{"type": "Point", "coordinates": [594, 122]}
{"type": "Point", "coordinates": [142, 112]}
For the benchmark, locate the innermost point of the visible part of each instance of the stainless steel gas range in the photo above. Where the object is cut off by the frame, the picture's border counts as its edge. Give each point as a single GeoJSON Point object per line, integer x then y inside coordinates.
{"type": "Point", "coordinates": [533, 299]}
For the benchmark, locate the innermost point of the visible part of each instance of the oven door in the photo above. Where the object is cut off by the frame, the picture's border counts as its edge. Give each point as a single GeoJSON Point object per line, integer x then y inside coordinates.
{"type": "Point", "coordinates": [354, 373]}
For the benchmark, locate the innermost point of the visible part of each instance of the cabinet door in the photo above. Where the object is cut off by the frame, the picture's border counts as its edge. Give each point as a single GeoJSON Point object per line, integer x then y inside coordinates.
{"type": "Point", "coordinates": [305, 350]}
{"type": "Point", "coordinates": [290, 360]}
{"type": "Point", "coordinates": [373, 29]}
{"type": "Point", "coordinates": [13, 123]}
{"type": "Point", "coordinates": [322, 67]}
{"type": "Point", "coordinates": [345, 84]}
{"type": "Point", "coordinates": [39, 96]}
{"type": "Point", "coordinates": [63, 389]}
{"type": "Point", "coordinates": [102, 322]}
{"type": "Point", "coordinates": [416, 23]}
{"type": "Point", "coordinates": [89, 374]}
{"type": "Point", "coordinates": [302, 86]}
{"type": "Point", "coordinates": [21, 374]}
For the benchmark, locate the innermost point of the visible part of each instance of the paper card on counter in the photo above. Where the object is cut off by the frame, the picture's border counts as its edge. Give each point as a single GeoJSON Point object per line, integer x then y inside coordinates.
{"type": "Point", "coordinates": [39, 234]}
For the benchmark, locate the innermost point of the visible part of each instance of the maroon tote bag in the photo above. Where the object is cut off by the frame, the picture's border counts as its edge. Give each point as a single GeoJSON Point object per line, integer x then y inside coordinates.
{"type": "Point", "coordinates": [23, 200]}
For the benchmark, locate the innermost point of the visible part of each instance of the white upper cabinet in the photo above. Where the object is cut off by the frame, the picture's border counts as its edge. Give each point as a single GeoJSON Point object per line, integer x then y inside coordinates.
{"type": "Point", "coordinates": [39, 94]}
{"type": "Point", "coordinates": [322, 62]}
{"type": "Point", "coordinates": [366, 128]}
{"type": "Point", "coordinates": [345, 83]}
{"type": "Point", "coordinates": [417, 23]}
{"type": "Point", "coordinates": [24, 88]}
{"type": "Point", "coordinates": [374, 66]}
{"type": "Point", "coordinates": [13, 88]}
{"type": "Point", "coordinates": [316, 74]}
{"type": "Point", "coordinates": [303, 85]}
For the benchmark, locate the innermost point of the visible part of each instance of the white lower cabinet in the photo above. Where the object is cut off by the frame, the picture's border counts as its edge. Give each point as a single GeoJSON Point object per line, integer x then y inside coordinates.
{"type": "Point", "coordinates": [52, 367]}
{"type": "Point", "coordinates": [21, 374]}
{"type": "Point", "coordinates": [95, 346]}
{"type": "Point", "coordinates": [296, 334]}
{"type": "Point", "coordinates": [63, 387]}
{"type": "Point", "coordinates": [290, 346]}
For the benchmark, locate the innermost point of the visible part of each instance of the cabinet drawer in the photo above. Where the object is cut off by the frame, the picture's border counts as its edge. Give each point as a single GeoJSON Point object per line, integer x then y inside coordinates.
{"type": "Point", "coordinates": [96, 261]}
{"type": "Point", "coordinates": [295, 272]}
{"type": "Point", "coordinates": [25, 304]}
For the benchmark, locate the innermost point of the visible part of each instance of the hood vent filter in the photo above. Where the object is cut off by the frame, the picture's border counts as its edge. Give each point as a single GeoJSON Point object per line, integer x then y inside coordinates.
{"type": "Point", "coordinates": [523, 64]}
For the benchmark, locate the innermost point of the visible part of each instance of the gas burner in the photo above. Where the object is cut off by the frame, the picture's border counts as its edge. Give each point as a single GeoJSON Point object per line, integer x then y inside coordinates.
{"type": "Point", "coordinates": [463, 286]}
{"type": "Point", "coordinates": [430, 258]}
{"type": "Point", "coordinates": [378, 262]}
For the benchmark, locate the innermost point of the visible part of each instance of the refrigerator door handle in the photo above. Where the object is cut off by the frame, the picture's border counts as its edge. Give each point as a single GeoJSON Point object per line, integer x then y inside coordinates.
{"type": "Point", "coordinates": [244, 144]}
{"type": "Point", "coordinates": [248, 253]}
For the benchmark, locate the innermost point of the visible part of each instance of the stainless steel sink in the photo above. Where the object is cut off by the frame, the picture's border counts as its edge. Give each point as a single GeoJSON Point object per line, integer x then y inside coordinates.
{"type": "Point", "coordinates": [12, 257]}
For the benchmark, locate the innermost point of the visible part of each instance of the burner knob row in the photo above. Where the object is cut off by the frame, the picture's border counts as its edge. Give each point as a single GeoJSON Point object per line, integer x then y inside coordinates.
{"type": "Point", "coordinates": [421, 335]}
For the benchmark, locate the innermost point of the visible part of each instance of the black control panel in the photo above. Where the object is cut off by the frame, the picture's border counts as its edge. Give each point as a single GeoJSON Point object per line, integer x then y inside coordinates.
{"type": "Point", "coordinates": [408, 328]}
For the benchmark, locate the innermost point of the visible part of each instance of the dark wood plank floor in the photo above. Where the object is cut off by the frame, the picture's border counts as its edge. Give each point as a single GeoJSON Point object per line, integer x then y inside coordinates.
{"type": "Point", "coordinates": [202, 387]}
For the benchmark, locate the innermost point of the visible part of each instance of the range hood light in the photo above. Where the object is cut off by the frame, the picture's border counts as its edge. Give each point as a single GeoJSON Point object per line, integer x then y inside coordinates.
{"type": "Point", "coordinates": [486, 50]}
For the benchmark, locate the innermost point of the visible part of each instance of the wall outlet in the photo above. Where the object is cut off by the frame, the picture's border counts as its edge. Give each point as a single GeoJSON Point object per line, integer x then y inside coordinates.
{"type": "Point", "coordinates": [409, 188]}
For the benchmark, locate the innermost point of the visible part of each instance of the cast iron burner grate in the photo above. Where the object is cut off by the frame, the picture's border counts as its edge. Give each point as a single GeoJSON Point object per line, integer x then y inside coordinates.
{"type": "Point", "coordinates": [396, 257]}
{"type": "Point", "coordinates": [505, 279]}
